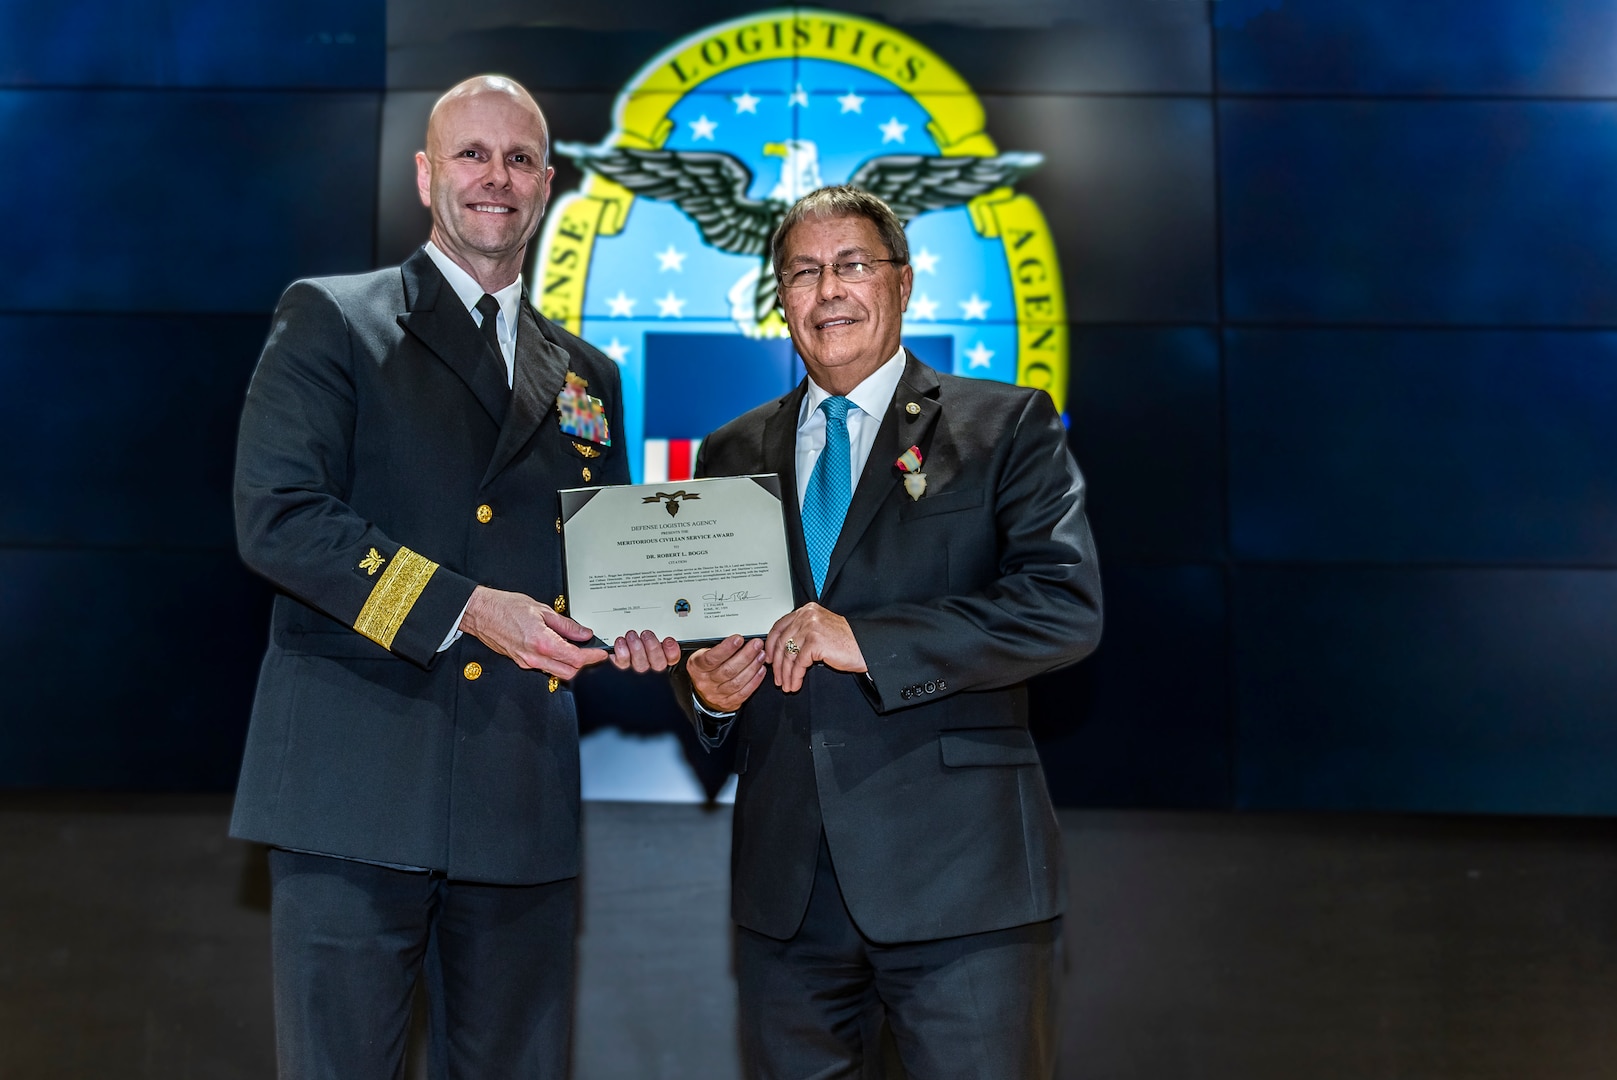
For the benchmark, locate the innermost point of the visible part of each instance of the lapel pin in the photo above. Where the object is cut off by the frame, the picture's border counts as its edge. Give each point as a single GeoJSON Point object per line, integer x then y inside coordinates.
{"type": "Point", "coordinates": [909, 463]}
{"type": "Point", "coordinates": [913, 409]}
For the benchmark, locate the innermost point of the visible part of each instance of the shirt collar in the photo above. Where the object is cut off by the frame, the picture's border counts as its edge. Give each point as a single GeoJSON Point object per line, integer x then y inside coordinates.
{"type": "Point", "coordinates": [872, 395]}
{"type": "Point", "coordinates": [467, 288]}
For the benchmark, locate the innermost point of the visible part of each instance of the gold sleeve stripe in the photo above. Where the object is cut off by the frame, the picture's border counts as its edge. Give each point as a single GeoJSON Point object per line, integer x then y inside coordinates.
{"type": "Point", "coordinates": [395, 594]}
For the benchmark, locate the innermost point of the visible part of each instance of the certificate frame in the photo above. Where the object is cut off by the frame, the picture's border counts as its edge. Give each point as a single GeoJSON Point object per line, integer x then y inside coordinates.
{"type": "Point", "coordinates": [694, 560]}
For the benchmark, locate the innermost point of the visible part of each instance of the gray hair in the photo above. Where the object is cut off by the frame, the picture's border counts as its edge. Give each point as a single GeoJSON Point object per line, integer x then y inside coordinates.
{"type": "Point", "coordinates": [841, 201]}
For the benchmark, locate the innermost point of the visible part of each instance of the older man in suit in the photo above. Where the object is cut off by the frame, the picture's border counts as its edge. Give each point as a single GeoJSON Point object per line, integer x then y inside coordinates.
{"type": "Point", "coordinates": [413, 752]}
{"type": "Point", "coordinates": [894, 844]}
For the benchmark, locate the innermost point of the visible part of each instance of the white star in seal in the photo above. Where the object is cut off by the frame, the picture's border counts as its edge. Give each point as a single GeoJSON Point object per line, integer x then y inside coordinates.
{"type": "Point", "coordinates": [618, 351]}
{"type": "Point", "coordinates": [979, 356]}
{"type": "Point", "coordinates": [622, 307]}
{"type": "Point", "coordinates": [671, 307]}
{"type": "Point", "coordinates": [925, 262]}
{"type": "Point", "coordinates": [851, 102]}
{"type": "Point", "coordinates": [799, 97]}
{"type": "Point", "coordinates": [702, 128]}
{"type": "Point", "coordinates": [893, 131]}
{"type": "Point", "coordinates": [975, 308]}
{"type": "Point", "coordinates": [745, 102]}
{"type": "Point", "coordinates": [924, 307]}
{"type": "Point", "coordinates": [671, 260]}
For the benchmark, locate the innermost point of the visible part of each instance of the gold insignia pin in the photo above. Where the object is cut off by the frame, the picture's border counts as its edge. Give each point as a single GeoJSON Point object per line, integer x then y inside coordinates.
{"type": "Point", "coordinates": [913, 409]}
{"type": "Point", "coordinates": [586, 474]}
{"type": "Point", "coordinates": [574, 379]}
{"type": "Point", "coordinates": [372, 562]}
{"type": "Point", "coordinates": [587, 451]}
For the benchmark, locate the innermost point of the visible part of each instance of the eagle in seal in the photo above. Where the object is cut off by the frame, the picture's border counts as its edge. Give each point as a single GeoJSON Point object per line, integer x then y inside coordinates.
{"type": "Point", "coordinates": [710, 187]}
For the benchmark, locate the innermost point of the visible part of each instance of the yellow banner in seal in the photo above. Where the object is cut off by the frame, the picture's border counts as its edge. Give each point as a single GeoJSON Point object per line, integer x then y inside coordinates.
{"type": "Point", "coordinates": [640, 119]}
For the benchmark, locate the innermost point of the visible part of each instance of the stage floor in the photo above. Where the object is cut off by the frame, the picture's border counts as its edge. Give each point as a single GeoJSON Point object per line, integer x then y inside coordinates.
{"type": "Point", "coordinates": [134, 944]}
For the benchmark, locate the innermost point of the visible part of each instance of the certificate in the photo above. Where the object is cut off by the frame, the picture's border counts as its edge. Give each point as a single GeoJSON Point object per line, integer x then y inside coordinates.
{"type": "Point", "coordinates": [694, 560]}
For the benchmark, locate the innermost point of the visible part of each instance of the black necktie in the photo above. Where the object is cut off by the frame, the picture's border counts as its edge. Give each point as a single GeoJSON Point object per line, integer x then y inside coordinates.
{"type": "Point", "coordinates": [489, 308]}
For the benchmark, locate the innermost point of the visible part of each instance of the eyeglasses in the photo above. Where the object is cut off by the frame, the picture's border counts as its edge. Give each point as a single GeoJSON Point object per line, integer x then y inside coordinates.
{"type": "Point", "coordinates": [852, 272]}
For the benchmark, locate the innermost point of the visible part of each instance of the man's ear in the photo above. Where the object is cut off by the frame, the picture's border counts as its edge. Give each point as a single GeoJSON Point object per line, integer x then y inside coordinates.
{"type": "Point", "coordinates": [423, 178]}
{"type": "Point", "coordinates": [544, 199]}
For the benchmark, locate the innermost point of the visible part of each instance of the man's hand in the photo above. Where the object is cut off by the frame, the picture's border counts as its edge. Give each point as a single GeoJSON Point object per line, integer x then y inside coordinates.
{"type": "Point", "coordinates": [725, 675]}
{"type": "Point", "coordinates": [529, 632]}
{"type": "Point", "coordinates": [643, 652]}
{"type": "Point", "coordinates": [808, 634]}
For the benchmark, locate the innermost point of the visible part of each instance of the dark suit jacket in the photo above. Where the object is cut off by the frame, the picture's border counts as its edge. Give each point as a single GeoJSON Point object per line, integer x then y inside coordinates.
{"type": "Point", "coordinates": [375, 428]}
{"type": "Point", "coordinates": [923, 775]}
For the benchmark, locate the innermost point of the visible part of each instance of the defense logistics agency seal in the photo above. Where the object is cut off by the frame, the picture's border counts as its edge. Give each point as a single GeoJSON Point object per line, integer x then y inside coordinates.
{"type": "Point", "coordinates": [660, 259]}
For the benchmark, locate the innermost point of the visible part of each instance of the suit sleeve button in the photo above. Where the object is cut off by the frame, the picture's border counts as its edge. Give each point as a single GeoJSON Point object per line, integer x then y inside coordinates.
{"type": "Point", "coordinates": [485, 513]}
{"type": "Point", "coordinates": [473, 671]}
{"type": "Point", "coordinates": [931, 687]}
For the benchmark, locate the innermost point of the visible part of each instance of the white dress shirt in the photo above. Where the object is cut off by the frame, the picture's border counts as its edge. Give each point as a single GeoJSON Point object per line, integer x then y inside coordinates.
{"type": "Point", "coordinates": [870, 399]}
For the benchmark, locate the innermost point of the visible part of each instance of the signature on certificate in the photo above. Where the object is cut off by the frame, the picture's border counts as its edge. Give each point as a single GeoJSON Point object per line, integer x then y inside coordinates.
{"type": "Point", "coordinates": [732, 597]}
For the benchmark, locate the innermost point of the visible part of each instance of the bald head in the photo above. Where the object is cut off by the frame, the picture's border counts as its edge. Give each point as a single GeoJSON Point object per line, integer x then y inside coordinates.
{"type": "Point", "coordinates": [477, 85]}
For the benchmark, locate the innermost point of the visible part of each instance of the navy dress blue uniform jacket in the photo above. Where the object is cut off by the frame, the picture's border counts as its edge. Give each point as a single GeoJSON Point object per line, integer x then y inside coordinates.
{"type": "Point", "coordinates": [383, 471]}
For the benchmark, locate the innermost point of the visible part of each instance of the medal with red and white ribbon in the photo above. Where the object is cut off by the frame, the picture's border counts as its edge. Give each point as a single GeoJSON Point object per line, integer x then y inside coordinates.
{"type": "Point", "coordinates": [909, 463]}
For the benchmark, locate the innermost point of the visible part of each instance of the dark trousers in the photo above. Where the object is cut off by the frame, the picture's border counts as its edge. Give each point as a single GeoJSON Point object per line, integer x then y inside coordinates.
{"type": "Point", "coordinates": [979, 1007]}
{"type": "Point", "coordinates": [349, 940]}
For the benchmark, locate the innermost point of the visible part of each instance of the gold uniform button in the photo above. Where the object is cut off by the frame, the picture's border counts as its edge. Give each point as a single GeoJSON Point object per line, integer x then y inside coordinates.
{"type": "Point", "coordinates": [485, 513]}
{"type": "Point", "coordinates": [473, 671]}
{"type": "Point", "coordinates": [586, 474]}
{"type": "Point", "coordinates": [560, 604]}
{"type": "Point", "coordinates": [554, 682]}
{"type": "Point", "coordinates": [558, 524]}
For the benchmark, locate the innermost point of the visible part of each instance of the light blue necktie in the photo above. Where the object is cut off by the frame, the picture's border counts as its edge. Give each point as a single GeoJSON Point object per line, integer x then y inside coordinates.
{"type": "Point", "coordinates": [825, 502]}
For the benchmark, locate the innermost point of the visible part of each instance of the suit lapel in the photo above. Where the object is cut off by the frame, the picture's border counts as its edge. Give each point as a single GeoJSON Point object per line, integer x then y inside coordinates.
{"type": "Point", "coordinates": [898, 432]}
{"type": "Point", "coordinates": [541, 368]}
{"type": "Point", "coordinates": [435, 317]}
{"type": "Point", "coordinates": [780, 456]}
